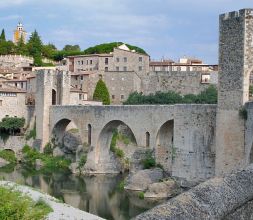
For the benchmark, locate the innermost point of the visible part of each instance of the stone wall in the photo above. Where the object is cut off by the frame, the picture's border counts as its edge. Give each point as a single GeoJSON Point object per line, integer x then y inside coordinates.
{"type": "Point", "coordinates": [15, 143]}
{"type": "Point", "coordinates": [184, 82]}
{"type": "Point", "coordinates": [218, 198]}
{"type": "Point", "coordinates": [15, 61]}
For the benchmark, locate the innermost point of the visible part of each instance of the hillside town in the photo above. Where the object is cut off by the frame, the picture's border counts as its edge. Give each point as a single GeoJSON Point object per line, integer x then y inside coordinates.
{"type": "Point", "coordinates": [109, 132]}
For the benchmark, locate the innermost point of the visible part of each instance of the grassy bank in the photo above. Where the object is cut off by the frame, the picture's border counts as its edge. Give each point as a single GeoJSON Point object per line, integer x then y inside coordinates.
{"type": "Point", "coordinates": [15, 206]}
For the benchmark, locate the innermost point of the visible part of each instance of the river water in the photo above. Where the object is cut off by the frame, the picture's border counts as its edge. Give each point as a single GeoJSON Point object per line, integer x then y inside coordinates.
{"type": "Point", "coordinates": [99, 195]}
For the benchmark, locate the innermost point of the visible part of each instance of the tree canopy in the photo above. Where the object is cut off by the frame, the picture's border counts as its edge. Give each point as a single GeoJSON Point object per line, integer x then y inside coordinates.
{"type": "Point", "coordinates": [101, 93]}
{"type": "Point", "coordinates": [72, 48]}
{"type": "Point", "coordinates": [12, 124]}
{"type": "Point", "coordinates": [108, 47]}
{"type": "Point", "coordinates": [2, 36]}
{"type": "Point", "coordinates": [208, 96]}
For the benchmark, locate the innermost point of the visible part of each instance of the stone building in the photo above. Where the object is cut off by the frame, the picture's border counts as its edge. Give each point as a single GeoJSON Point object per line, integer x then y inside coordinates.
{"type": "Point", "coordinates": [121, 59]}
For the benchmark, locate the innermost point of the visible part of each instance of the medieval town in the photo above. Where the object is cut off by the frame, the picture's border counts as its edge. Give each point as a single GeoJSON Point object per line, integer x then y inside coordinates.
{"type": "Point", "coordinates": [111, 132]}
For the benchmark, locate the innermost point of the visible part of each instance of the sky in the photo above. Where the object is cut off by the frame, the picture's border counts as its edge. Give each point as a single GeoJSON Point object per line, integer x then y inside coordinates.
{"type": "Point", "coordinates": [165, 29]}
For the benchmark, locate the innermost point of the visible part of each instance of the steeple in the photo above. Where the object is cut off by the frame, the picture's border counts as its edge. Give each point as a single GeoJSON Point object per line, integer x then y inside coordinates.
{"type": "Point", "coordinates": [18, 33]}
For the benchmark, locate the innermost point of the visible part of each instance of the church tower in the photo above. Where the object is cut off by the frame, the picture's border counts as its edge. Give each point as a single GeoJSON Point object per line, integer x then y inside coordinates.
{"type": "Point", "coordinates": [18, 33]}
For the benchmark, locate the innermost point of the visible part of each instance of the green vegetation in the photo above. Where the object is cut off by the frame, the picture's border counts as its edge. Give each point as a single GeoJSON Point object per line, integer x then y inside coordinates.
{"type": "Point", "coordinates": [75, 48]}
{"type": "Point", "coordinates": [243, 113]}
{"type": "Point", "coordinates": [2, 36]}
{"type": "Point", "coordinates": [141, 195]}
{"type": "Point", "coordinates": [82, 162]}
{"type": "Point", "coordinates": [101, 93]}
{"type": "Point", "coordinates": [50, 163]}
{"type": "Point", "coordinates": [74, 130]}
{"type": "Point", "coordinates": [9, 156]}
{"type": "Point", "coordinates": [108, 48]}
{"type": "Point", "coordinates": [48, 149]}
{"type": "Point", "coordinates": [12, 125]}
{"type": "Point", "coordinates": [251, 90]}
{"type": "Point", "coordinates": [121, 185]}
{"type": "Point", "coordinates": [15, 206]}
{"type": "Point", "coordinates": [208, 96]}
{"type": "Point", "coordinates": [31, 134]}
{"type": "Point", "coordinates": [149, 161]}
{"type": "Point", "coordinates": [173, 152]}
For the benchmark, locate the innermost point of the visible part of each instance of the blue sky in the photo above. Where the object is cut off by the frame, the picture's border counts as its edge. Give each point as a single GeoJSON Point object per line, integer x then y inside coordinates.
{"type": "Point", "coordinates": [164, 28]}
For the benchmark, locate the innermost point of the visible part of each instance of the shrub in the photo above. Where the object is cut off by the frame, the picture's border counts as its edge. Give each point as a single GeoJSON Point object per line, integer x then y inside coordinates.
{"type": "Point", "coordinates": [149, 161]}
{"type": "Point", "coordinates": [31, 133]}
{"type": "Point", "coordinates": [208, 96]}
{"type": "Point", "coordinates": [114, 141]}
{"type": "Point", "coordinates": [121, 185]}
{"type": "Point", "coordinates": [12, 124]}
{"type": "Point", "coordinates": [15, 206]}
{"type": "Point", "coordinates": [48, 149]}
{"type": "Point", "coordinates": [119, 153]}
{"type": "Point", "coordinates": [82, 161]}
{"type": "Point", "coordinates": [141, 195]}
{"type": "Point", "coordinates": [9, 156]}
{"type": "Point", "coordinates": [101, 93]}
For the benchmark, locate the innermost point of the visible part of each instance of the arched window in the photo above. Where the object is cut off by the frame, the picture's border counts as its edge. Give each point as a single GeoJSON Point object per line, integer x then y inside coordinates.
{"type": "Point", "coordinates": [53, 97]}
{"type": "Point", "coordinates": [89, 134]}
{"type": "Point", "coordinates": [147, 139]}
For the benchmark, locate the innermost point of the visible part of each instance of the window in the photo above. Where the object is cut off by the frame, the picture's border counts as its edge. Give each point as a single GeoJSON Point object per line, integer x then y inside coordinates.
{"type": "Point", "coordinates": [117, 59]}
{"type": "Point", "coordinates": [140, 59]}
{"type": "Point", "coordinates": [140, 68]}
{"type": "Point", "coordinates": [80, 96]}
{"type": "Point", "coordinates": [90, 61]}
{"type": "Point", "coordinates": [22, 85]}
{"type": "Point", "coordinates": [125, 68]}
{"type": "Point", "coordinates": [113, 96]}
{"type": "Point", "coordinates": [106, 69]}
{"type": "Point", "coordinates": [122, 97]}
{"type": "Point", "coordinates": [106, 61]}
{"type": "Point", "coordinates": [117, 68]}
{"type": "Point", "coordinates": [76, 77]}
{"type": "Point", "coordinates": [81, 77]}
{"type": "Point", "coordinates": [125, 59]}
{"type": "Point", "coordinates": [1, 102]}
{"type": "Point", "coordinates": [147, 139]}
{"type": "Point", "coordinates": [89, 133]}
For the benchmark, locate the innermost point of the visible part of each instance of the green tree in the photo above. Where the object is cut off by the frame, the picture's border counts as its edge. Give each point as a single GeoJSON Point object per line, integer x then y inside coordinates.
{"type": "Point", "coordinates": [12, 124]}
{"type": "Point", "coordinates": [7, 47]}
{"type": "Point", "coordinates": [35, 46]}
{"type": "Point", "coordinates": [101, 93]}
{"type": "Point", "coordinates": [72, 48]}
{"type": "Point", "coordinates": [2, 36]}
{"type": "Point", "coordinates": [49, 50]}
{"type": "Point", "coordinates": [21, 47]}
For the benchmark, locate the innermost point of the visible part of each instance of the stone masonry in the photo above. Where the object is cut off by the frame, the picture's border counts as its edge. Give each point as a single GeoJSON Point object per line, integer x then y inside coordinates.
{"type": "Point", "coordinates": [235, 62]}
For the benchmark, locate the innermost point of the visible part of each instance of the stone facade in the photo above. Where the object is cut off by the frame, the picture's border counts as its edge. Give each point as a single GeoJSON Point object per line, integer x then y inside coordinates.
{"type": "Point", "coordinates": [235, 62]}
{"type": "Point", "coordinates": [15, 61]}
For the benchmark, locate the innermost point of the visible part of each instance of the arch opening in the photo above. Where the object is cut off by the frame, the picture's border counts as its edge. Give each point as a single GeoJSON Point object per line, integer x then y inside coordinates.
{"type": "Point", "coordinates": [165, 150]}
{"type": "Point", "coordinates": [66, 135]}
{"type": "Point", "coordinates": [115, 132]}
{"type": "Point", "coordinates": [89, 134]}
{"type": "Point", "coordinates": [251, 155]}
{"type": "Point", "coordinates": [53, 97]}
{"type": "Point", "coordinates": [147, 139]}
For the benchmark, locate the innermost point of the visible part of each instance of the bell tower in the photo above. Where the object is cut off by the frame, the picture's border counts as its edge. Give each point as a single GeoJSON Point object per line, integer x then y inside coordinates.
{"type": "Point", "coordinates": [19, 33]}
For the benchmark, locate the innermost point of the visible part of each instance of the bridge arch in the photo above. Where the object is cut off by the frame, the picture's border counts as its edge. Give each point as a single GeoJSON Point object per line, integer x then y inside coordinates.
{"type": "Point", "coordinates": [60, 128]}
{"type": "Point", "coordinates": [164, 151]}
{"type": "Point", "coordinates": [105, 138]}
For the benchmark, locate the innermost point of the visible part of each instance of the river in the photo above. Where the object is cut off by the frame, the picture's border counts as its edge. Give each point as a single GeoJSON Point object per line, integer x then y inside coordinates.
{"type": "Point", "coordinates": [99, 195]}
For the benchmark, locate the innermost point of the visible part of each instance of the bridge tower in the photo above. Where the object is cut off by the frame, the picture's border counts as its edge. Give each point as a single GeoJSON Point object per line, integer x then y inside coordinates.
{"type": "Point", "coordinates": [52, 88]}
{"type": "Point", "coordinates": [235, 63]}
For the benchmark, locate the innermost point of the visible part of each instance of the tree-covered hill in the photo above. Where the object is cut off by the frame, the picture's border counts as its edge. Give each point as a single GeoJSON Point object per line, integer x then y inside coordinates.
{"type": "Point", "coordinates": [108, 47]}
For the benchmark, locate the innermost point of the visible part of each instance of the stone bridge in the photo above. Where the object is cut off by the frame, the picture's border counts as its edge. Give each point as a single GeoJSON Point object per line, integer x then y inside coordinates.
{"type": "Point", "coordinates": [186, 129]}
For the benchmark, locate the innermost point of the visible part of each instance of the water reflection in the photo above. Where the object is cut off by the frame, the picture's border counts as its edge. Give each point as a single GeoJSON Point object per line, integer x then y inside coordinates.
{"type": "Point", "coordinates": [98, 195]}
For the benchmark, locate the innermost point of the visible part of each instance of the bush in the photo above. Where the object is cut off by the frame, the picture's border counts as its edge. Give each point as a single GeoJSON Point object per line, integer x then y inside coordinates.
{"type": "Point", "coordinates": [101, 93]}
{"type": "Point", "coordinates": [119, 153]}
{"type": "Point", "coordinates": [9, 156]}
{"type": "Point", "coordinates": [141, 195]}
{"type": "Point", "coordinates": [31, 133]}
{"type": "Point", "coordinates": [82, 161]}
{"type": "Point", "coordinates": [12, 124]}
{"type": "Point", "coordinates": [149, 161]}
{"type": "Point", "coordinates": [243, 113]}
{"type": "Point", "coordinates": [121, 185]}
{"type": "Point", "coordinates": [208, 96]}
{"type": "Point", "coordinates": [50, 163]}
{"type": "Point", "coordinates": [15, 206]}
{"type": "Point", "coordinates": [114, 141]}
{"type": "Point", "coordinates": [48, 149]}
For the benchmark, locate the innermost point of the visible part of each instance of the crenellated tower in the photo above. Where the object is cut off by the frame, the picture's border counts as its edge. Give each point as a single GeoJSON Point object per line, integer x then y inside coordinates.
{"type": "Point", "coordinates": [235, 65]}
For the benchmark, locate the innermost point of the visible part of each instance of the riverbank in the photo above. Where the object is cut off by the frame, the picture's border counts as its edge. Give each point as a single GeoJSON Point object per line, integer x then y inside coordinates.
{"type": "Point", "coordinates": [61, 211]}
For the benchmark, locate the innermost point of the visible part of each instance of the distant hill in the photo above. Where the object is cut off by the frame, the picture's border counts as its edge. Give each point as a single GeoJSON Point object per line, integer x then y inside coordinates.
{"type": "Point", "coordinates": [108, 47]}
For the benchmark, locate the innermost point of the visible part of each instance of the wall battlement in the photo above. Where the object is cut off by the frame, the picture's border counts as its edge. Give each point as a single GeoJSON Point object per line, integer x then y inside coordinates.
{"type": "Point", "coordinates": [237, 14]}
